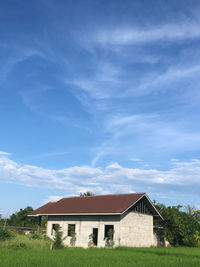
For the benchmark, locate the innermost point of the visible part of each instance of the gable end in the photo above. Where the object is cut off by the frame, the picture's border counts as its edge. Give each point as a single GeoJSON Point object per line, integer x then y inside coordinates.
{"type": "Point", "coordinates": [145, 206]}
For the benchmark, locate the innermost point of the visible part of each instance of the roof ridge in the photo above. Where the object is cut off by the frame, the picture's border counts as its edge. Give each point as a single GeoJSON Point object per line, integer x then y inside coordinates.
{"type": "Point", "coordinates": [143, 193]}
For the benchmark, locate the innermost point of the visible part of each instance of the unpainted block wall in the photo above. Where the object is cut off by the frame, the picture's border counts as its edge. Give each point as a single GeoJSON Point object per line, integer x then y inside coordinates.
{"type": "Point", "coordinates": [136, 230]}
{"type": "Point", "coordinates": [132, 229]}
{"type": "Point", "coordinates": [84, 227]}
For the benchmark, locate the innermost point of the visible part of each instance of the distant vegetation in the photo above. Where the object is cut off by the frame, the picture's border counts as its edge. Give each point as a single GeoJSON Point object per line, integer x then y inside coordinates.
{"type": "Point", "coordinates": [21, 219]}
{"type": "Point", "coordinates": [86, 194]}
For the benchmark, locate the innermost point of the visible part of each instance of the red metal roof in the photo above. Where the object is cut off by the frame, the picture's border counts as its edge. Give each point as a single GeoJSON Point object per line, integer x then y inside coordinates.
{"type": "Point", "coordinates": [42, 209]}
{"type": "Point", "coordinates": [103, 204]}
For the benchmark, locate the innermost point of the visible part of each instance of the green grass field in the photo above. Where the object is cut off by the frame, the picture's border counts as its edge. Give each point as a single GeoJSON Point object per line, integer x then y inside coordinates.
{"type": "Point", "coordinates": [22, 251]}
{"type": "Point", "coordinates": [101, 257]}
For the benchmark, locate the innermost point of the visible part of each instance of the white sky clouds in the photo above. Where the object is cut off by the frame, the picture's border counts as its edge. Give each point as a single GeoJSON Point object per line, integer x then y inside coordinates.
{"type": "Point", "coordinates": [53, 198]}
{"type": "Point", "coordinates": [114, 178]}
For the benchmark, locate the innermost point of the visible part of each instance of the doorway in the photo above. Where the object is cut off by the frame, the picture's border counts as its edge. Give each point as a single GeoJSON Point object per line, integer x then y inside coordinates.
{"type": "Point", "coordinates": [95, 236]}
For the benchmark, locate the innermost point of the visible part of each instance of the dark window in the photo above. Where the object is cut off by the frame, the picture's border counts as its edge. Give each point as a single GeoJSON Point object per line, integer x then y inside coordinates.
{"type": "Point", "coordinates": [71, 229]}
{"type": "Point", "coordinates": [95, 236]}
{"type": "Point", "coordinates": [55, 228]}
{"type": "Point", "coordinates": [109, 229]}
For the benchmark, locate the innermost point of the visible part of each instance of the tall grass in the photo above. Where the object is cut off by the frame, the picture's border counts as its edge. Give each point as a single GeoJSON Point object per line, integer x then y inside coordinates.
{"type": "Point", "coordinates": [24, 251]}
{"type": "Point", "coordinates": [25, 241]}
{"type": "Point", "coordinates": [94, 257]}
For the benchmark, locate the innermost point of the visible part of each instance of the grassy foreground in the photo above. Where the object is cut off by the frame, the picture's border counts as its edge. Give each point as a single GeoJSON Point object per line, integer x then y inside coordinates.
{"type": "Point", "coordinates": [22, 251]}
{"type": "Point", "coordinates": [100, 257]}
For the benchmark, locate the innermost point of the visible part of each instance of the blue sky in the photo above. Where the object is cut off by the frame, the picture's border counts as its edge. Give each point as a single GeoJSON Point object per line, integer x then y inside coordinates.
{"type": "Point", "coordinates": [101, 96]}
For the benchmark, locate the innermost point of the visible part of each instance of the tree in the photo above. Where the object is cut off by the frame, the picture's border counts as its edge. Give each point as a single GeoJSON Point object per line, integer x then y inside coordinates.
{"type": "Point", "coordinates": [44, 220]}
{"type": "Point", "coordinates": [86, 194]}
{"type": "Point", "coordinates": [1, 220]}
{"type": "Point", "coordinates": [20, 218]}
{"type": "Point", "coordinates": [190, 209]}
{"type": "Point", "coordinates": [180, 228]}
{"type": "Point", "coordinates": [197, 215]}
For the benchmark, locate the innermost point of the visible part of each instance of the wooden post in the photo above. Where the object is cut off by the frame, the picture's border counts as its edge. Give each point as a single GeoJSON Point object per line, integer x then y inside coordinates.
{"type": "Point", "coordinates": [51, 244]}
{"type": "Point", "coordinates": [39, 224]}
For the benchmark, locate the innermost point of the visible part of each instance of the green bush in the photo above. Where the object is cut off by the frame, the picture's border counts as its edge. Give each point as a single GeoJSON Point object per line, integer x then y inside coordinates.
{"type": "Point", "coordinates": [20, 232]}
{"type": "Point", "coordinates": [110, 238]}
{"type": "Point", "coordinates": [58, 240]}
{"type": "Point", "coordinates": [35, 236]}
{"type": "Point", "coordinates": [5, 234]}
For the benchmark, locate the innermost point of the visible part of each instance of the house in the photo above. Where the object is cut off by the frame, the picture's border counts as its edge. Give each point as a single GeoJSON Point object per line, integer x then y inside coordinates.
{"type": "Point", "coordinates": [127, 217]}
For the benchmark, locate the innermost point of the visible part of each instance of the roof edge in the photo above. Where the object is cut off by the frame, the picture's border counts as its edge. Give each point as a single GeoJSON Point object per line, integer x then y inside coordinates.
{"type": "Point", "coordinates": [133, 203]}
{"type": "Point", "coordinates": [101, 195]}
{"type": "Point", "coordinates": [54, 214]}
{"type": "Point", "coordinates": [154, 207]}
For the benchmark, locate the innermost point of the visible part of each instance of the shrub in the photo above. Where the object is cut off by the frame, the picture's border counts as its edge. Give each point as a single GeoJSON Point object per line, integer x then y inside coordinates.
{"type": "Point", "coordinates": [197, 238]}
{"type": "Point", "coordinates": [20, 232]}
{"type": "Point", "coordinates": [58, 240]}
{"type": "Point", "coordinates": [35, 236]}
{"type": "Point", "coordinates": [73, 238]}
{"type": "Point", "coordinates": [110, 238]}
{"type": "Point", "coordinates": [5, 234]}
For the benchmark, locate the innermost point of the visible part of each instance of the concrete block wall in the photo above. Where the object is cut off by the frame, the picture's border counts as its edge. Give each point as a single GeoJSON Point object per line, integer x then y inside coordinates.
{"type": "Point", "coordinates": [131, 229]}
{"type": "Point", "coordinates": [136, 230]}
{"type": "Point", "coordinates": [84, 227]}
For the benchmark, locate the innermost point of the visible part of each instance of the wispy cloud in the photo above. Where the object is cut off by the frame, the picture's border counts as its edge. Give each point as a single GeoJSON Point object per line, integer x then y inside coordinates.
{"type": "Point", "coordinates": [113, 83]}
{"type": "Point", "coordinates": [31, 99]}
{"type": "Point", "coordinates": [50, 154]}
{"type": "Point", "coordinates": [152, 124]}
{"type": "Point", "coordinates": [15, 58]}
{"type": "Point", "coordinates": [136, 159]}
{"type": "Point", "coordinates": [3, 153]}
{"type": "Point", "coordinates": [120, 78]}
{"type": "Point", "coordinates": [174, 160]}
{"type": "Point", "coordinates": [138, 35]}
{"type": "Point", "coordinates": [106, 148]}
{"type": "Point", "coordinates": [159, 82]}
{"type": "Point", "coordinates": [102, 83]}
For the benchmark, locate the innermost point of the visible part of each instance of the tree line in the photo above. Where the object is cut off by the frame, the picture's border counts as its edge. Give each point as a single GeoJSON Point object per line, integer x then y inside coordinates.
{"type": "Point", "coordinates": [21, 219]}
